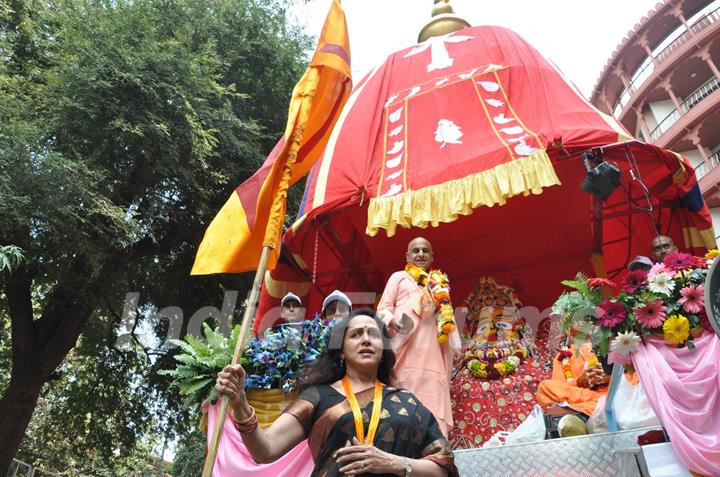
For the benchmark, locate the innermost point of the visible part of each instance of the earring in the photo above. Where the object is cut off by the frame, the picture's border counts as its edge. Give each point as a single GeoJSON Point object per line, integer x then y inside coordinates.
{"type": "Point", "coordinates": [342, 362]}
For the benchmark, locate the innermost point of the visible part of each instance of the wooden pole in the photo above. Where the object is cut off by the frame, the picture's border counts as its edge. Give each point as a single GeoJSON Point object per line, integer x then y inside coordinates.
{"type": "Point", "coordinates": [248, 318]}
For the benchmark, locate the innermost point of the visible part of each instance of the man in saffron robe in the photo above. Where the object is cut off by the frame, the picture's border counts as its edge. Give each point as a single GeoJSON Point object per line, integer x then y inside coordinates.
{"type": "Point", "coordinates": [423, 364]}
{"type": "Point", "coordinates": [578, 381]}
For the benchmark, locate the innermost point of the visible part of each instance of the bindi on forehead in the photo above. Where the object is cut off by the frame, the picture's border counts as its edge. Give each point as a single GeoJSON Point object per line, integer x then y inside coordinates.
{"type": "Point", "coordinates": [361, 324]}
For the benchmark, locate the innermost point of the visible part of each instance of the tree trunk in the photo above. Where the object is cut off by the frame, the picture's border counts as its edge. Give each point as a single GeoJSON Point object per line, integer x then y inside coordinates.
{"type": "Point", "coordinates": [16, 409]}
{"type": "Point", "coordinates": [38, 347]}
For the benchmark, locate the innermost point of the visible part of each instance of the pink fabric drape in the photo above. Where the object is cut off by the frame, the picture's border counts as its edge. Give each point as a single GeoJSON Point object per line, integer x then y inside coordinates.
{"type": "Point", "coordinates": [684, 388]}
{"type": "Point", "coordinates": [234, 460]}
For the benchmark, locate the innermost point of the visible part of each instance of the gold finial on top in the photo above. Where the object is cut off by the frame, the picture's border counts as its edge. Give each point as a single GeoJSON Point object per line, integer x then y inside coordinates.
{"type": "Point", "coordinates": [443, 21]}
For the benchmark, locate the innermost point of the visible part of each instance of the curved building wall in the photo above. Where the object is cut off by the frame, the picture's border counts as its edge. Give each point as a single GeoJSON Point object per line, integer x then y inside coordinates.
{"type": "Point", "coordinates": [663, 84]}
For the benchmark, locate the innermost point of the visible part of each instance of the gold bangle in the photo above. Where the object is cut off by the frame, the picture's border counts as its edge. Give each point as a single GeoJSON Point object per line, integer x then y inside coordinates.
{"type": "Point", "coordinates": [244, 422]}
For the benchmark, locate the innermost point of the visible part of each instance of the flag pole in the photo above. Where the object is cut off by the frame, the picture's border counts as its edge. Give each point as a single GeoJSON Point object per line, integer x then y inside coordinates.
{"type": "Point", "coordinates": [248, 318]}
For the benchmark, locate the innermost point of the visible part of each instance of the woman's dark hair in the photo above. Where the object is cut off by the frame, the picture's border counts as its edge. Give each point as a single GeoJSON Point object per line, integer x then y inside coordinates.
{"type": "Point", "coordinates": [328, 367]}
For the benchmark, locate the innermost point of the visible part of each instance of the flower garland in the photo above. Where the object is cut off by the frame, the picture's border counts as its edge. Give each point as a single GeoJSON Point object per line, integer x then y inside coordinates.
{"type": "Point", "coordinates": [564, 358]}
{"type": "Point", "coordinates": [492, 363]}
{"type": "Point", "coordinates": [438, 285]}
{"type": "Point", "coordinates": [498, 353]}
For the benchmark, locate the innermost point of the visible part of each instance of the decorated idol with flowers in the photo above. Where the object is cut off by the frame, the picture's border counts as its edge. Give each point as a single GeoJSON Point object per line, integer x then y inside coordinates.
{"type": "Point", "coordinates": [494, 331]}
{"type": "Point", "coordinates": [416, 307]}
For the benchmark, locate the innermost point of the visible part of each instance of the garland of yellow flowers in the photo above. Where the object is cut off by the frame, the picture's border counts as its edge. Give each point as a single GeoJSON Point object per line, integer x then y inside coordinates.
{"type": "Point", "coordinates": [438, 285]}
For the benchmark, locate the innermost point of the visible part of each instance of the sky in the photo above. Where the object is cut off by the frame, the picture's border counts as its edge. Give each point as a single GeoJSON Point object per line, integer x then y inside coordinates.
{"type": "Point", "coordinates": [578, 36]}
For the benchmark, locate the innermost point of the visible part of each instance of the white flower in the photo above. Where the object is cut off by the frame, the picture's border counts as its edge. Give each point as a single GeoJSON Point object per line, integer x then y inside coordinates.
{"type": "Point", "coordinates": [625, 343]}
{"type": "Point", "coordinates": [661, 283]}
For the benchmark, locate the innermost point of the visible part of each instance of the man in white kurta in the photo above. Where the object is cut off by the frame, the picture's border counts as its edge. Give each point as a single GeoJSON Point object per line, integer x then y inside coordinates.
{"type": "Point", "coordinates": [423, 364]}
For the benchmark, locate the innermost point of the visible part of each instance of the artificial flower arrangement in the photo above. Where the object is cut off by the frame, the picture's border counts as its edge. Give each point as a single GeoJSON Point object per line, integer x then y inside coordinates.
{"type": "Point", "coordinates": [667, 300]}
{"type": "Point", "coordinates": [274, 359]}
{"type": "Point", "coordinates": [271, 361]}
{"type": "Point", "coordinates": [438, 285]}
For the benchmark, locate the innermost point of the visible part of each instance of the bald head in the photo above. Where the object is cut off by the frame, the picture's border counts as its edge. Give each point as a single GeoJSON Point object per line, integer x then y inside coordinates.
{"type": "Point", "coordinates": [661, 246]}
{"type": "Point", "coordinates": [419, 253]}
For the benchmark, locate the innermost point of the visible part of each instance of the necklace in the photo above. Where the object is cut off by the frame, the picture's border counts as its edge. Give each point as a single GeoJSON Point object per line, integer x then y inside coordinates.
{"type": "Point", "coordinates": [357, 414]}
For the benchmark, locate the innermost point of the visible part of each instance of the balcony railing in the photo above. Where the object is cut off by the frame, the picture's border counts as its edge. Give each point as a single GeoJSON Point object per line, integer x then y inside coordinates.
{"type": "Point", "coordinates": [703, 169]}
{"type": "Point", "coordinates": [699, 25]}
{"type": "Point", "coordinates": [648, 67]}
{"type": "Point", "coordinates": [690, 102]}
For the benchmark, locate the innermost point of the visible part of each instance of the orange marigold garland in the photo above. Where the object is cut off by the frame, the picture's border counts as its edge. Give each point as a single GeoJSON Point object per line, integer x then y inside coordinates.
{"type": "Point", "coordinates": [438, 285]}
{"type": "Point", "coordinates": [564, 358]}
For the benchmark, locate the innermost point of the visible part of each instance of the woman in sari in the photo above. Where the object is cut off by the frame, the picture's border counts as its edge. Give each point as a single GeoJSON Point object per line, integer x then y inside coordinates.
{"type": "Point", "coordinates": [355, 421]}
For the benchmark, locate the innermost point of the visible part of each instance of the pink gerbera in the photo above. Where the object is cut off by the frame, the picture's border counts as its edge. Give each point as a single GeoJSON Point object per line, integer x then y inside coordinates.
{"type": "Point", "coordinates": [601, 282]}
{"type": "Point", "coordinates": [657, 269]}
{"type": "Point", "coordinates": [693, 298]}
{"type": "Point", "coordinates": [634, 280]}
{"type": "Point", "coordinates": [677, 261]}
{"type": "Point", "coordinates": [652, 315]}
{"type": "Point", "coordinates": [610, 313]}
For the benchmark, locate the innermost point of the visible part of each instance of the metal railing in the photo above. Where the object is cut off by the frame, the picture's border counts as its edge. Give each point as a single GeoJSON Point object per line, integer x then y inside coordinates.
{"type": "Point", "coordinates": [690, 102]}
{"type": "Point", "coordinates": [19, 468]}
{"type": "Point", "coordinates": [649, 66]}
{"type": "Point", "coordinates": [704, 168]}
{"type": "Point", "coordinates": [699, 25]}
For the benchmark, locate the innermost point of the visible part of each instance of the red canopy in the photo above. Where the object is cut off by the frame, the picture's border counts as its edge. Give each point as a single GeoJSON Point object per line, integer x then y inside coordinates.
{"type": "Point", "coordinates": [478, 118]}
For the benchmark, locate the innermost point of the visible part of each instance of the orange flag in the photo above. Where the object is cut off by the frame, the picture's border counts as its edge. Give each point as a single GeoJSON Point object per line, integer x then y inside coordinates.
{"type": "Point", "coordinates": [254, 214]}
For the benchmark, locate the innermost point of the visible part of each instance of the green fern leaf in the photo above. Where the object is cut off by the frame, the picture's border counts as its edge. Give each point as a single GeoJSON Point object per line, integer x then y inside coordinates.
{"type": "Point", "coordinates": [188, 388]}
{"type": "Point", "coordinates": [200, 348]}
{"type": "Point", "coordinates": [215, 340]}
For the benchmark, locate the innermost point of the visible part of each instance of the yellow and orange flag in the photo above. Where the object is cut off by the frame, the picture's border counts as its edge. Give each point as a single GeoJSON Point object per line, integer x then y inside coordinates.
{"type": "Point", "coordinates": [254, 214]}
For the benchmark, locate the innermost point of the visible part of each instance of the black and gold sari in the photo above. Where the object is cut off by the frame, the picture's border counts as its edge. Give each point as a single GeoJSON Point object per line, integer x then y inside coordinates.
{"type": "Point", "coordinates": [406, 427]}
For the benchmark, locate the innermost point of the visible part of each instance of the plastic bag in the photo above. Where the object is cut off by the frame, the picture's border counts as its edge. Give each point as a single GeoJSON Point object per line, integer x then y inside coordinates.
{"type": "Point", "coordinates": [497, 440]}
{"type": "Point", "coordinates": [531, 429]}
{"type": "Point", "coordinates": [598, 420]}
{"type": "Point", "coordinates": [632, 407]}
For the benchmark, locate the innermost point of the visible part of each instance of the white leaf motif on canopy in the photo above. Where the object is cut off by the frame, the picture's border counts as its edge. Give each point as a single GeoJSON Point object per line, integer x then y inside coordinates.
{"type": "Point", "coordinates": [448, 132]}
{"type": "Point", "coordinates": [396, 147]}
{"type": "Point", "coordinates": [439, 56]}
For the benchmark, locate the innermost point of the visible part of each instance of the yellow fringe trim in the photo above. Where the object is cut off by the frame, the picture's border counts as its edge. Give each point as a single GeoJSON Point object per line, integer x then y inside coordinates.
{"type": "Point", "coordinates": [443, 203]}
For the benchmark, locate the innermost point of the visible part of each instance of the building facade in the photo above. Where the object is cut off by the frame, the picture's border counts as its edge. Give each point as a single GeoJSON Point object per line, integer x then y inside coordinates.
{"type": "Point", "coordinates": [663, 84]}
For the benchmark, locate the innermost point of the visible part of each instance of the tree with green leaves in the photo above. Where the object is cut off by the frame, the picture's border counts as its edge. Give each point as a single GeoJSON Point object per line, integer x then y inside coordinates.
{"type": "Point", "coordinates": [124, 126]}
